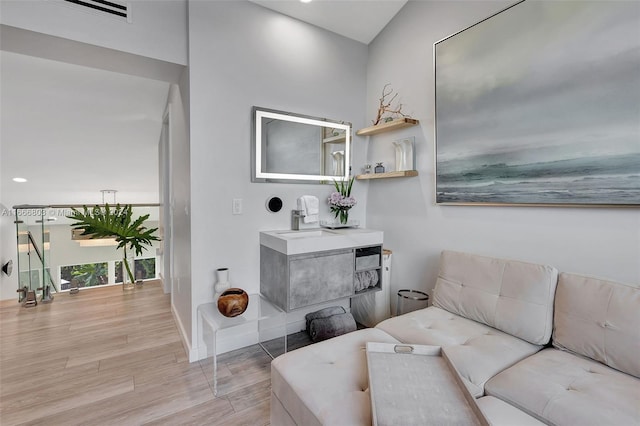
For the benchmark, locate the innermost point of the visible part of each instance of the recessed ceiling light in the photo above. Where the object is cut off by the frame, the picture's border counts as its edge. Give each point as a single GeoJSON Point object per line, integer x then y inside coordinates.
{"type": "Point", "coordinates": [305, 1]}
{"type": "Point", "coordinates": [19, 180]}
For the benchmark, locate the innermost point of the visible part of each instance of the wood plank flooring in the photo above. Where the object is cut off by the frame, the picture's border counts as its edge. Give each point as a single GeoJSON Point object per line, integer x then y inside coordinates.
{"type": "Point", "coordinates": [105, 357]}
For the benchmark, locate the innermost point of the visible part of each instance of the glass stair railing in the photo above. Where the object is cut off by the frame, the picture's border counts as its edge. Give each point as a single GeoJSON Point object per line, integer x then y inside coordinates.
{"type": "Point", "coordinates": [34, 278]}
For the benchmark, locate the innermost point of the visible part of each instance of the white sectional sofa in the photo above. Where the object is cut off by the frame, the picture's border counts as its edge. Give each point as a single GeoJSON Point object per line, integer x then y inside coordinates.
{"type": "Point", "coordinates": [590, 375]}
{"type": "Point", "coordinates": [495, 319]}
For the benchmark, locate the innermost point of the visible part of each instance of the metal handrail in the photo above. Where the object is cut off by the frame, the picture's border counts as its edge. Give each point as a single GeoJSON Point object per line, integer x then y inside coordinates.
{"type": "Point", "coordinates": [32, 241]}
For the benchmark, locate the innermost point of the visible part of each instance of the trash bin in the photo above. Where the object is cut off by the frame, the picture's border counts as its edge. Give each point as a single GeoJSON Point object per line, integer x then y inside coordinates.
{"type": "Point", "coordinates": [411, 300]}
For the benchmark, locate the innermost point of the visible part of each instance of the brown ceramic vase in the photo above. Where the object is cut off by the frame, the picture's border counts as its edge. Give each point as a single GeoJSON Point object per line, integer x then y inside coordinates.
{"type": "Point", "coordinates": [233, 302]}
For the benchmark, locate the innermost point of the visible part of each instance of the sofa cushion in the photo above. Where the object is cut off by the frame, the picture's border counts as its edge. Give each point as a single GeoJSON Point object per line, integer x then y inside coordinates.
{"type": "Point", "coordinates": [600, 320]}
{"type": "Point", "coordinates": [499, 413]}
{"type": "Point", "coordinates": [512, 296]}
{"type": "Point", "coordinates": [565, 389]}
{"type": "Point", "coordinates": [327, 382]}
{"type": "Point", "coordinates": [477, 351]}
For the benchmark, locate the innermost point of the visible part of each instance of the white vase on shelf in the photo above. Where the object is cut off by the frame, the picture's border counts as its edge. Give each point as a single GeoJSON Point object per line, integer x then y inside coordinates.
{"type": "Point", "coordinates": [404, 154]}
{"type": "Point", "coordinates": [338, 162]}
{"type": "Point", "coordinates": [222, 280]}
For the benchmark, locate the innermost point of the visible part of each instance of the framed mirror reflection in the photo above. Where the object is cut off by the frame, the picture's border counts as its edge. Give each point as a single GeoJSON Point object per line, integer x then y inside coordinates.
{"type": "Point", "coordinates": [290, 147]}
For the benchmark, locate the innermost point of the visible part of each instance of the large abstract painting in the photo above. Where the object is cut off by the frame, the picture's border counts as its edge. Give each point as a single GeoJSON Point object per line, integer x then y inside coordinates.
{"type": "Point", "coordinates": [540, 104]}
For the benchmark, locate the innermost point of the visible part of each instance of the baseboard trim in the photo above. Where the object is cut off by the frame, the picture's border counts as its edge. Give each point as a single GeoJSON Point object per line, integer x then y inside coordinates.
{"type": "Point", "coordinates": [191, 353]}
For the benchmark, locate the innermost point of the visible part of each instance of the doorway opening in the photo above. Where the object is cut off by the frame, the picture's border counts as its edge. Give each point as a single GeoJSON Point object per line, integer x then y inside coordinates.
{"type": "Point", "coordinates": [51, 257]}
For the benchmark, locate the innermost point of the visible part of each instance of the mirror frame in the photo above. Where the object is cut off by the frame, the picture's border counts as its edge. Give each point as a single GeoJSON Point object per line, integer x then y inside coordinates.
{"type": "Point", "coordinates": [258, 175]}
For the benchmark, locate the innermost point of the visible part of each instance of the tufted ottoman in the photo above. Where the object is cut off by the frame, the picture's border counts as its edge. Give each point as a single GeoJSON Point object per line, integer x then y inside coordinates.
{"type": "Point", "coordinates": [324, 383]}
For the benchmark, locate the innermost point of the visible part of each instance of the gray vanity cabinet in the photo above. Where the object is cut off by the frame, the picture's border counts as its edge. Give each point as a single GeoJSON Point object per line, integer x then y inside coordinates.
{"type": "Point", "coordinates": [320, 277]}
{"type": "Point", "coordinates": [296, 281]}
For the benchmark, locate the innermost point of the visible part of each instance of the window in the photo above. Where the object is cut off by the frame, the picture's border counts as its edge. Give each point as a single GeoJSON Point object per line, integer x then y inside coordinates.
{"type": "Point", "coordinates": [145, 269]}
{"type": "Point", "coordinates": [86, 274]}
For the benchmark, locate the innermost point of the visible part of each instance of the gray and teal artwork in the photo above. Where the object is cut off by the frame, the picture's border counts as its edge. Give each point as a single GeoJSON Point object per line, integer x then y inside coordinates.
{"type": "Point", "coordinates": [540, 104]}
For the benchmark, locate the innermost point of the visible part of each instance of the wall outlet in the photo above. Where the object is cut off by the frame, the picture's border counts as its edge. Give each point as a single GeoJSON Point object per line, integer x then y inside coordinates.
{"type": "Point", "coordinates": [237, 206]}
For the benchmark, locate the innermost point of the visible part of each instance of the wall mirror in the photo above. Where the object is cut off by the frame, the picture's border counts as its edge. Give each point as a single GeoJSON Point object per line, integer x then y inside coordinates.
{"type": "Point", "coordinates": [297, 148]}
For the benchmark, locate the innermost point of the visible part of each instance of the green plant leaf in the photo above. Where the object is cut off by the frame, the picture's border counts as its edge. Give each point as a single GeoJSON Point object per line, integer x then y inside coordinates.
{"type": "Point", "coordinates": [115, 223]}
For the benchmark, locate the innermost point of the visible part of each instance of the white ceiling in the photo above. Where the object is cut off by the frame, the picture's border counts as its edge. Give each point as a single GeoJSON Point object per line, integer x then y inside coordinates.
{"type": "Point", "coordinates": [73, 130]}
{"type": "Point", "coordinates": [359, 20]}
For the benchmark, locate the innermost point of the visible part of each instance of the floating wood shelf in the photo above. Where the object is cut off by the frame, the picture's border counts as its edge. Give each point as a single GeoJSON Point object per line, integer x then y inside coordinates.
{"type": "Point", "coordinates": [396, 124]}
{"type": "Point", "coordinates": [335, 139]}
{"type": "Point", "coordinates": [405, 173]}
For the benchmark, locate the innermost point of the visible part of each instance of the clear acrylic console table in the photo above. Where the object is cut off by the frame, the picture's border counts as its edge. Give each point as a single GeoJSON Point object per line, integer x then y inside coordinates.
{"type": "Point", "coordinates": [269, 320]}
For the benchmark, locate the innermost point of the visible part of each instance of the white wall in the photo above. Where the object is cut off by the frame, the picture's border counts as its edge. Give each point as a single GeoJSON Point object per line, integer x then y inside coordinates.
{"type": "Point", "coordinates": [158, 29]}
{"type": "Point", "coordinates": [7, 242]}
{"type": "Point", "coordinates": [179, 206]}
{"type": "Point", "coordinates": [8, 285]}
{"type": "Point", "coordinates": [603, 242]}
{"type": "Point", "coordinates": [243, 55]}
{"type": "Point", "coordinates": [7, 245]}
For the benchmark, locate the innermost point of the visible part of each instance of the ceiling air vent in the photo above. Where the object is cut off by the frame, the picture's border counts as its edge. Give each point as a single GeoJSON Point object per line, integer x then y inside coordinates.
{"type": "Point", "coordinates": [112, 8]}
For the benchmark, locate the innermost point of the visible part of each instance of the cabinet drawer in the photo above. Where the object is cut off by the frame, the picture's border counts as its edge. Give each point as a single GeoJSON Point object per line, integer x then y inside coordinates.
{"type": "Point", "coordinates": [318, 279]}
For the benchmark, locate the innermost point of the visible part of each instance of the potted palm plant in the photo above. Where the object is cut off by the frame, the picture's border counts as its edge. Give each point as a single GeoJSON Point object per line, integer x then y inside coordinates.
{"type": "Point", "coordinates": [117, 223]}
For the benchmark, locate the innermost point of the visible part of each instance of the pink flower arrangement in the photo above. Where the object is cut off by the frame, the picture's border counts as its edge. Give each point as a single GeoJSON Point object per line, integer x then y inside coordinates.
{"type": "Point", "coordinates": [340, 201]}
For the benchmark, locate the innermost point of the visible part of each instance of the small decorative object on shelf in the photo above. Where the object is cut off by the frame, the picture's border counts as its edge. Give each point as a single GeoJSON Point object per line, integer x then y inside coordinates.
{"type": "Point", "coordinates": [340, 201]}
{"type": "Point", "coordinates": [379, 168]}
{"type": "Point", "coordinates": [222, 280]}
{"type": "Point", "coordinates": [338, 162]}
{"type": "Point", "coordinates": [386, 108]}
{"type": "Point", "coordinates": [366, 169]}
{"type": "Point", "coordinates": [405, 159]}
{"type": "Point", "coordinates": [233, 302]}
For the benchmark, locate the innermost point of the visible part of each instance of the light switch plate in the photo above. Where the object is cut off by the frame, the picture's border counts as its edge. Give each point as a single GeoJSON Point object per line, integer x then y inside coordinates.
{"type": "Point", "coordinates": [237, 206]}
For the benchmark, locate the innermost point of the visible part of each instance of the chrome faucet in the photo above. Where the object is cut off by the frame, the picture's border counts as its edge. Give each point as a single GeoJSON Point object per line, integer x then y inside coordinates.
{"type": "Point", "coordinates": [296, 215]}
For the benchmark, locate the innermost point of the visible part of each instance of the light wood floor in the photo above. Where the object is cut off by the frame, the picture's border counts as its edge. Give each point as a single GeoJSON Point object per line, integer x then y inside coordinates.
{"type": "Point", "coordinates": [104, 357]}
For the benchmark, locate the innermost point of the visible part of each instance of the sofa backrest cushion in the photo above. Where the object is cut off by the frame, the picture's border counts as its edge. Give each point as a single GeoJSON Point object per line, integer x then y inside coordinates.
{"type": "Point", "coordinates": [512, 296]}
{"type": "Point", "coordinates": [600, 320]}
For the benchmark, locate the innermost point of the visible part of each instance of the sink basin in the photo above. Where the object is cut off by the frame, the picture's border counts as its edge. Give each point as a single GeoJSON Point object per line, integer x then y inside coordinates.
{"type": "Point", "coordinates": [316, 240]}
{"type": "Point", "coordinates": [305, 234]}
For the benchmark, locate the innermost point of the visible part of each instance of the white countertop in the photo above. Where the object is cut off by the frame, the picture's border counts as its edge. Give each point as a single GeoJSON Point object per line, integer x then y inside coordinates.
{"type": "Point", "coordinates": [319, 239]}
